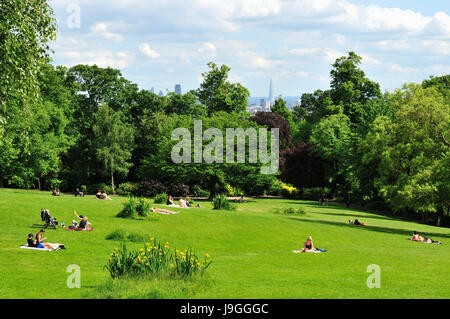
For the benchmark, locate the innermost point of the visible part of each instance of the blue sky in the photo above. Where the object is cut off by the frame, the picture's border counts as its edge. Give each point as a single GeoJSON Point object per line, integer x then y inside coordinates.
{"type": "Point", "coordinates": [159, 43]}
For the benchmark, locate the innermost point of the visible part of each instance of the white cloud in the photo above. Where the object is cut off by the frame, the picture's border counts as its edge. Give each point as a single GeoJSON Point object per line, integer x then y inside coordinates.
{"type": "Point", "coordinates": [207, 47]}
{"type": "Point", "coordinates": [253, 60]}
{"type": "Point", "coordinates": [102, 58]}
{"type": "Point", "coordinates": [148, 51]}
{"type": "Point", "coordinates": [101, 30]}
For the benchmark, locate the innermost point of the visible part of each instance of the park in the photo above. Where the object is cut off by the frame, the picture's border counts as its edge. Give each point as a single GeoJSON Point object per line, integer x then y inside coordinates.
{"type": "Point", "coordinates": [250, 247]}
{"type": "Point", "coordinates": [338, 190]}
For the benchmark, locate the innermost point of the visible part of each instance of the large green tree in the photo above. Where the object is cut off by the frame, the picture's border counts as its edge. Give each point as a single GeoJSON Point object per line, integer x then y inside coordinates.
{"type": "Point", "coordinates": [26, 27]}
{"type": "Point", "coordinates": [218, 94]}
{"type": "Point", "coordinates": [113, 141]}
{"type": "Point", "coordinates": [412, 150]}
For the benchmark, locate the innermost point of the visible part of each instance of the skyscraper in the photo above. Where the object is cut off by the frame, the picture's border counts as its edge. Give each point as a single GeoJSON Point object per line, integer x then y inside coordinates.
{"type": "Point", "coordinates": [178, 89]}
{"type": "Point", "coordinates": [270, 92]}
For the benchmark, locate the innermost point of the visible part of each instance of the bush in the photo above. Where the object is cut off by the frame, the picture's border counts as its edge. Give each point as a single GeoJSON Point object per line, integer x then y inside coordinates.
{"type": "Point", "coordinates": [289, 191]}
{"type": "Point", "coordinates": [316, 193]}
{"type": "Point", "coordinates": [161, 198]}
{"type": "Point", "coordinates": [179, 190]}
{"type": "Point", "coordinates": [293, 211]}
{"type": "Point", "coordinates": [150, 188]}
{"type": "Point", "coordinates": [221, 202]}
{"type": "Point", "coordinates": [83, 188]}
{"type": "Point", "coordinates": [276, 188]}
{"type": "Point", "coordinates": [127, 189]}
{"type": "Point", "coordinates": [133, 207]}
{"type": "Point", "coordinates": [197, 191]}
{"type": "Point", "coordinates": [234, 191]}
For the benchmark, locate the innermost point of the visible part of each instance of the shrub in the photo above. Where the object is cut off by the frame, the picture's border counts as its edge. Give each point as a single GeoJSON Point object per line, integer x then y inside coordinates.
{"type": "Point", "coordinates": [293, 211]}
{"type": "Point", "coordinates": [221, 202]}
{"type": "Point", "coordinates": [179, 190]}
{"type": "Point", "coordinates": [197, 191]}
{"type": "Point", "coordinates": [234, 191]}
{"type": "Point", "coordinates": [126, 189]}
{"type": "Point", "coordinates": [134, 206]}
{"type": "Point", "coordinates": [83, 188]}
{"type": "Point", "coordinates": [276, 188]}
{"type": "Point", "coordinates": [150, 188]}
{"type": "Point", "coordinates": [288, 191]}
{"type": "Point", "coordinates": [161, 198]}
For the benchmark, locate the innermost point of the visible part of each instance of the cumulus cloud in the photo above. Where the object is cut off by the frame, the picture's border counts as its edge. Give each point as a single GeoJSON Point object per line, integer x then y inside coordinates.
{"type": "Point", "coordinates": [102, 58]}
{"type": "Point", "coordinates": [148, 51]}
{"type": "Point", "coordinates": [100, 30]}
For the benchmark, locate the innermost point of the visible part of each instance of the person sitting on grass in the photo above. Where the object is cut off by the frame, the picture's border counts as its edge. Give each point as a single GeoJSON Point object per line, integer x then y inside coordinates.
{"type": "Point", "coordinates": [308, 245]}
{"type": "Point", "coordinates": [40, 241]}
{"type": "Point", "coordinates": [182, 203]}
{"type": "Point", "coordinates": [33, 243]}
{"type": "Point", "coordinates": [78, 193]}
{"type": "Point", "coordinates": [99, 194]}
{"type": "Point", "coordinates": [169, 200]}
{"type": "Point", "coordinates": [83, 222]}
{"type": "Point", "coordinates": [105, 196]}
{"type": "Point", "coordinates": [188, 202]}
{"type": "Point", "coordinates": [56, 192]}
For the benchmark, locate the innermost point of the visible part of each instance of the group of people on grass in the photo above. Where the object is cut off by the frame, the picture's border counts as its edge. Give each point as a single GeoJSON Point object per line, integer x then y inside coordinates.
{"type": "Point", "coordinates": [38, 240]}
{"type": "Point", "coordinates": [182, 202]}
{"type": "Point", "coordinates": [102, 195]}
{"type": "Point", "coordinates": [425, 240]}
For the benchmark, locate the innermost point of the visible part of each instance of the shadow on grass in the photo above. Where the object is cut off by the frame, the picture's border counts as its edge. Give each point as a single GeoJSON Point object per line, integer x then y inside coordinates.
{"type": "Point", "coordinates": [405, 232]}
{"type": "Point", "coordinates": [352, 216]}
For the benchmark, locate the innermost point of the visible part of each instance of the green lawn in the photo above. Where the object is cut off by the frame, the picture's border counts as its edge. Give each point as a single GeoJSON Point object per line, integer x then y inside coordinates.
{"type": "Point", "coordinates": [251, 249]}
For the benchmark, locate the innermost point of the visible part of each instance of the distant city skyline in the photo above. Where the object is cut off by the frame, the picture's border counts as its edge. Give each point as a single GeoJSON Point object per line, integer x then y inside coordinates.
{"type": "Point", "coordinates": [159, 42]}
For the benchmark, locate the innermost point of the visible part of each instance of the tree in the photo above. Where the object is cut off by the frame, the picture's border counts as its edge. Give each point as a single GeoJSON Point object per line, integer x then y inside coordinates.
{"type": "Point", "coordinates": [113, 141]}
{"type": "Point", "coordinates": [303, 167]}
{"type": "Point", "coordinates": [413, 150]}
{"type": "Point", "coordinates": [26, 27]}
{"type": "Point", "coordinates": [218, 94]}
{"type": "Point", "coordinates": [274, 120]}
{"type": "Point", "coordinates": [280, 108]}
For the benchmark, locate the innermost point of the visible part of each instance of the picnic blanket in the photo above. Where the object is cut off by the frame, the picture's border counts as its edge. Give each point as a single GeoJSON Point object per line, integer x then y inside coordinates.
{"type": "Point", "coordinates": [310, 251]}
{"type": "Point", "coordinates": [41, 249]}
{"type": "Point", "coordinates": [163, 211]}
{"type": "Point", "coordinates": [178, 206]}
{"type": "Point", "coordinates": [72, 228]}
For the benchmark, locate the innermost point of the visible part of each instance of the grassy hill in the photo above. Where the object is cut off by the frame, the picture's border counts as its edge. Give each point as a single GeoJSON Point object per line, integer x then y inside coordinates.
{"type": "Point", "coordinates": [251, 249]}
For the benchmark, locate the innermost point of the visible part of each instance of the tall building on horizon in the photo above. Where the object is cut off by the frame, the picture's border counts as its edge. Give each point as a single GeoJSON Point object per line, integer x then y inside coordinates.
{"type": "Point", "coordinates": [270, 92]}
{"type": "Point", "coordinates": [178, 89]}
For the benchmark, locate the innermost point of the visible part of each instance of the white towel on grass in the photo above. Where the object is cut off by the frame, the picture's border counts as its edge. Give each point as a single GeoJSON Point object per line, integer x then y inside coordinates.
{"type": "Point", "coordinates": [42, 249]}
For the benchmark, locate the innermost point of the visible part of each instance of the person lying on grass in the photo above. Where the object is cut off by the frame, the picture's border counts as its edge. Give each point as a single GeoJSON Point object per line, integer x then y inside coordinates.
{"type": "Point", "coordinates": [83, 222]}
{"type": "Point", "coordinates": [425, 240]}
{"type": "Point", "coordinates": [39, 242]}
{"type": "Point", "coordinates": [308, 245]}
{"type": "Point", "coordinates": [356, 222]}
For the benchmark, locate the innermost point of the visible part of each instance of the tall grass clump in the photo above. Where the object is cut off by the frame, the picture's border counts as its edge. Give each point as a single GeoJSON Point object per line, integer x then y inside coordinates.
{"type": "Point", "coordinates": [221, 202]}
{"type": "Point", "coordinates": [137, 207]}
{"type": "Point", "coordinates": [155, 259]}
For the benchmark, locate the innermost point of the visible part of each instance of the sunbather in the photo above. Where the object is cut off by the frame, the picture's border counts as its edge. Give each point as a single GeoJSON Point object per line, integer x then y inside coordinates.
{"type": "Point", "coordinates": [169, 200]}
{"type": "Point", "coordinates": [83, 222]}
{"type": "Point", "coordinates": [40, 241]}
{"type": "Point", "coordinates": [308, 245]}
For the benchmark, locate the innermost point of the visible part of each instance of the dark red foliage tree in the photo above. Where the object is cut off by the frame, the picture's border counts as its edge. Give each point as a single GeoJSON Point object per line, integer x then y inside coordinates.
{"type": "Point", "coordinates": [274, 120]}
{"type": "Point", "coordinates": [302, 167]}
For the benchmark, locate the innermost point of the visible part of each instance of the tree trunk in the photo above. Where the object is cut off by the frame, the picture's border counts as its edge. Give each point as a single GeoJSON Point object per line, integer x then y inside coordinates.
{"type": "Point", "coordinates": [39, 183]}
